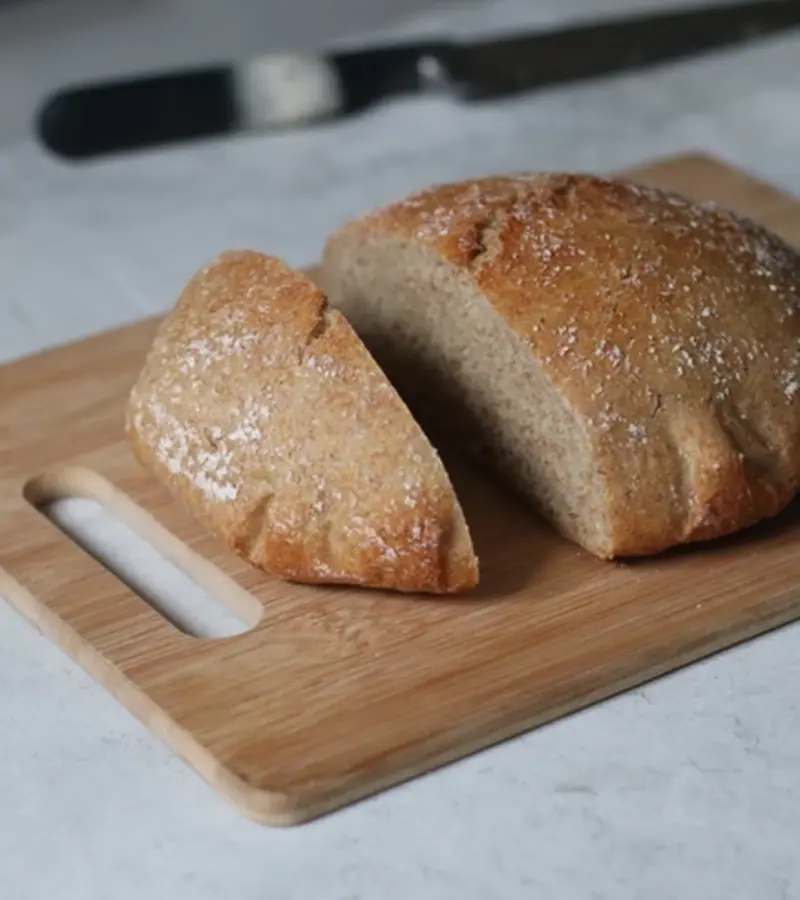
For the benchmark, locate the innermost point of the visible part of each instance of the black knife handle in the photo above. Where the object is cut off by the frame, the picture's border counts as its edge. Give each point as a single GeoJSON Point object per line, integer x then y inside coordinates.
{"type": "Point", "coordinates": [98, 119]}
{"type": "Point", "coordinates": [127, 114]}
{"type": "Point", "coordinates": [369, 76]}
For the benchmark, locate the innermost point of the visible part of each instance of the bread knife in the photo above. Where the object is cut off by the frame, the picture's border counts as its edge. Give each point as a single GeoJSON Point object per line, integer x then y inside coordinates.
{"type": "Point", "coordinates": [277, 91]}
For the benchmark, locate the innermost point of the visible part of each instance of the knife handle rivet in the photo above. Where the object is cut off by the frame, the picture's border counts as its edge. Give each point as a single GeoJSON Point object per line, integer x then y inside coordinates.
{"type": "Point", "coordinates": [431, 71]}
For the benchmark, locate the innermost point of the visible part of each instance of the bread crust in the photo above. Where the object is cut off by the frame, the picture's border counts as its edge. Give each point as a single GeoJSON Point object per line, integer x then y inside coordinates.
{"type": "Point", "coordinates": [262, 410]}
{"type": "Point", "coordinates": [672, 329]}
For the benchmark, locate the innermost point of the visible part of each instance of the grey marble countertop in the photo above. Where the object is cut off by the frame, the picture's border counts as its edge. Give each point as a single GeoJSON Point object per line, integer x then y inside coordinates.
{"type": "Point", "coordinates": [689, 787]}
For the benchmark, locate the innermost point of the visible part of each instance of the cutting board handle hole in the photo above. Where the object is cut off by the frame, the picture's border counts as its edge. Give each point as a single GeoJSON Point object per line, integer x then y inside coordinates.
{"type": "Point", "coordinates": [69, 500]}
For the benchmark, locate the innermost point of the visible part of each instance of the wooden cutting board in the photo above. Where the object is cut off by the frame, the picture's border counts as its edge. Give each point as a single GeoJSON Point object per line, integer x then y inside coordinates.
{"type": "Point", "coordinates": [336, 693]}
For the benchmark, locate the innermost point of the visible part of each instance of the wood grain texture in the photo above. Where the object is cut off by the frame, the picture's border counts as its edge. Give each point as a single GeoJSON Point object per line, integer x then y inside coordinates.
{"type": "Point", "coordinates": [337, 693]}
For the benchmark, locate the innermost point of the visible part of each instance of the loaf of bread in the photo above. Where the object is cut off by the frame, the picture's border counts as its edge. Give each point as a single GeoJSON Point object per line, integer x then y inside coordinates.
{"type": "Point", "coordinates": [629, 360]}
{"type": "Point", "coordinates": [261, 409]}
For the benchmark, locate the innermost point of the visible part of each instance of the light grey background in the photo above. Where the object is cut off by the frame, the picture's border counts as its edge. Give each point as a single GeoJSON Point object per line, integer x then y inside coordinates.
{"type": "Point", "coordinates": [689, 788]}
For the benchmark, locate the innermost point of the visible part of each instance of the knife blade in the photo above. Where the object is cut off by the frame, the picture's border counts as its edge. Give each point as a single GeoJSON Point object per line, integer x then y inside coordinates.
{"type": "Point", "coordinates": [276, 91]}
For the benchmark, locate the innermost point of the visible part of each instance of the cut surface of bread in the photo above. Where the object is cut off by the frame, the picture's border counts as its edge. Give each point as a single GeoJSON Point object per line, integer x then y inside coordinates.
{"type": "Point", "coordinates": [627, 359]}
{"type": "Point", "coordinates": [263, 411]}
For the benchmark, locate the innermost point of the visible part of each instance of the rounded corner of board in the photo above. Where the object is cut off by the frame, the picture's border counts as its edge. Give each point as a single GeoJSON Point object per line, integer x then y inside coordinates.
{"type": "Point", "coordinates": [266, 806]}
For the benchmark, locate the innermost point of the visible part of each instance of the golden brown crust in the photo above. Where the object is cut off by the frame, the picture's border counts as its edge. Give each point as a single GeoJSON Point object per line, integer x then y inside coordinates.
{"type": "Point", "coordinates": [263, 411]}
{"type": "Point", "coordinates": [671, 328]}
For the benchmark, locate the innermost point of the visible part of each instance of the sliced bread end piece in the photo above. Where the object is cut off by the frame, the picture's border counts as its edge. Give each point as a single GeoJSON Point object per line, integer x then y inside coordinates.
{"type": "Point", "coordinates": [262, 410]}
